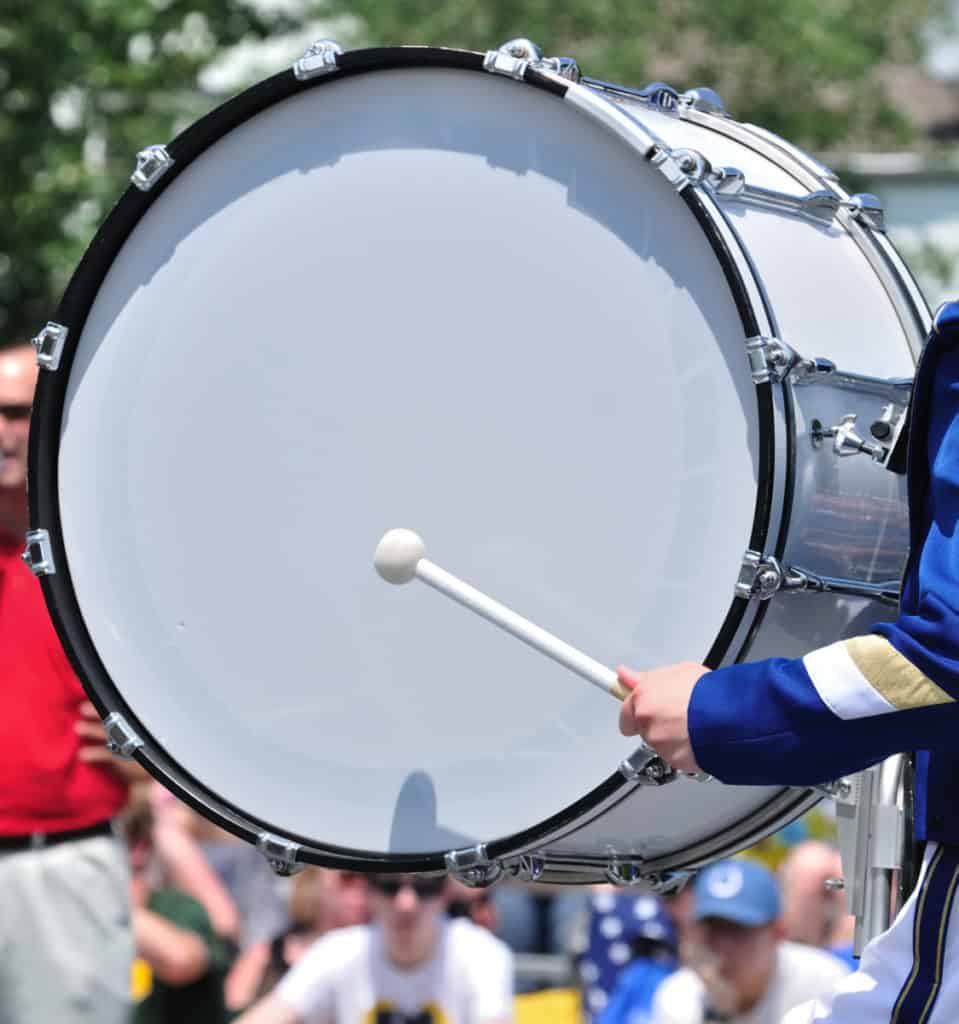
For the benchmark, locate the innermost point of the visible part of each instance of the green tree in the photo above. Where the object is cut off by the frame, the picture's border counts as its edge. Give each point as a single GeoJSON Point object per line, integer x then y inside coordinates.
{"type": "Point", "coordinates": [803, 68]}
{"type": "Point", "coordinates": [84, 85]}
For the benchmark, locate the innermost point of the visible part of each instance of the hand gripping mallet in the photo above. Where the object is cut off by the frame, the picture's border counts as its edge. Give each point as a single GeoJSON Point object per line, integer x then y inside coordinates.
{"type": "Point", "coordinates": [399, 558]}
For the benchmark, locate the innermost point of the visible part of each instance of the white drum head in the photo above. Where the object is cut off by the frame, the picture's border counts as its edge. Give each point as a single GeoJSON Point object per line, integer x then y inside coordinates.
{"type": "Point", "coordinates": [419, 298]}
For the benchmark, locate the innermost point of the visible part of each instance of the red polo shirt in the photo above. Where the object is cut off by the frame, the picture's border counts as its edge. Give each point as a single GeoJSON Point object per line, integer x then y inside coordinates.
{"type": "Point", "coordinates": [43, 787]}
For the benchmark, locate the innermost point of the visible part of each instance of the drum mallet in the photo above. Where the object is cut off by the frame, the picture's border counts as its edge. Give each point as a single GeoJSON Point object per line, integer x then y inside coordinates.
{"type": "Point", "coordinates": [399, 558]}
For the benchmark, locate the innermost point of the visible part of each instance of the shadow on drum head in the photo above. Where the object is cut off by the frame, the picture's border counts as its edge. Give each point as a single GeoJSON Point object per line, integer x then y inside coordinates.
{"type": "Point", "coordinates": [414, 819]}
{"type": "Point", "coordinates": [391, 111]}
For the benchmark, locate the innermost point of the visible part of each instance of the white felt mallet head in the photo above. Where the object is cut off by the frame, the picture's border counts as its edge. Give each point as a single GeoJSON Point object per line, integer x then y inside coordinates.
{"type": "Point", "coordinates": [397, 554]}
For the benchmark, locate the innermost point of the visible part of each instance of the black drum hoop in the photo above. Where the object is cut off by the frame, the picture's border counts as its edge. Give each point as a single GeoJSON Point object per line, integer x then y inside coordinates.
{"type": "Point", "coordinates": [45, 433]}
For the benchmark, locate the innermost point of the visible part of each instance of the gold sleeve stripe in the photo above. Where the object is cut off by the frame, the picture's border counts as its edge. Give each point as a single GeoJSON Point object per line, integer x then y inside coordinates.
{"type": "Point", "coordinates": [892, 675]}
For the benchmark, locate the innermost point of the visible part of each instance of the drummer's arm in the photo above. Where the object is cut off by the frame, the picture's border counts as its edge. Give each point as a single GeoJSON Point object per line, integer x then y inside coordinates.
{"type": "Point", "coordinates": [852, 703]}
{"type": "Point", "coordinates": [805, 721]}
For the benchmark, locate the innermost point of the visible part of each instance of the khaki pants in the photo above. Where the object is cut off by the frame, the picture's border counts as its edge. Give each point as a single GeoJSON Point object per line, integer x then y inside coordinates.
{"type": "Point", "coordinates": [66, 944]}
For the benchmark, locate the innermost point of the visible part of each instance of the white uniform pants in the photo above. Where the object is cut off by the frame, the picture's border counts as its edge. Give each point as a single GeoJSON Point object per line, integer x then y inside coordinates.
{"type": "Point", "coordinates": [910, 973]}
{"type": "Point", "coordinates": [66, 944]}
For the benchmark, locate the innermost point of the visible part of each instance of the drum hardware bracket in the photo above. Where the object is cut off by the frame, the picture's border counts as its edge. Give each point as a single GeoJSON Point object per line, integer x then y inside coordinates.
{"type": "Point", "coordinates": [820, 206]}
{"type": "Point", "coordinates": [703, 99]}
{"type": "Point", "coordinates": [628, 873]}
{"type": "Point", "coordinates": [527, 868]}
{"type": "Point", "coordinates": [516, 55]}
{"type": "Point", "coordinates": [152, 163]}
{"type": "Point", "coordinates": [122, 740]}
{"type": "Point", "coordinates": [280, 854]}
{"type": "Point", "coordinates": [38, 554]}
{"type": "Point", "coordinates": [665, 161]}
{"type": "Point", "coordinates": [49, 345]}
{"type": "Point", "coordinates": [871, 829]}
{"type": "Point", "coordinates": [867, 208]}
{"type": "Point", "coordinates": [769, 359]}
{"type": "Point", "coordinates": [319, 59]}
{"type": "Point", "coordinates": [841, 789]}
{"type": "Point", "coordinates": [845, 440]}
{"type": "Point", "coordinates": [659, 94]}
{"type": "Point", "coordinates": [647, 768]}
{"type": "Point", "coordinates": [764, 577]}
{"type": "Point", "coordinates": [472, 866]}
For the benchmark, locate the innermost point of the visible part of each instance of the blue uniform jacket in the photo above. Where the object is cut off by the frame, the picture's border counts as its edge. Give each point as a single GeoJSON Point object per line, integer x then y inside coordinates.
{"type": "Point", "coordinates": [846, 706]}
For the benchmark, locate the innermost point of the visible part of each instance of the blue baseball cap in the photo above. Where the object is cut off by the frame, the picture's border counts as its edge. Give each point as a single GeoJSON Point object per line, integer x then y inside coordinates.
{"type": "Point", "coordinates": [736, 890]}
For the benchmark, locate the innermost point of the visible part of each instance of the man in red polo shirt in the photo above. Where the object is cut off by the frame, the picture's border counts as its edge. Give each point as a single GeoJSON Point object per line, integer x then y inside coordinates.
{"type": "Point", "coordinates": [65, 921]}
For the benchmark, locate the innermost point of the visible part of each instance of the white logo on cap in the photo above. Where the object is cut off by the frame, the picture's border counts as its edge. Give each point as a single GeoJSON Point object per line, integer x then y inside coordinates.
{"type": "Point", "coordinates": [725, 883]}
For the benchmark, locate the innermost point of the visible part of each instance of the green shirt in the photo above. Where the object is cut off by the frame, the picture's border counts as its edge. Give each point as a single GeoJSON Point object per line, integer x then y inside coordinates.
{"type": "Point", "coordinates": [200, 1002]}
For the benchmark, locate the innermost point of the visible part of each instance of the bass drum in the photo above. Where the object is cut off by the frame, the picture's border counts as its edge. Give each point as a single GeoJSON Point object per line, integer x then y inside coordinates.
{"type": "Point", "coordinates": [530, 318]}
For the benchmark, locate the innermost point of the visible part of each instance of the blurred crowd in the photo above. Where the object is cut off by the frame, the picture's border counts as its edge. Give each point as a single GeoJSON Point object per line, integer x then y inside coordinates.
{"type": "Point", "coordinates": [218, 935]}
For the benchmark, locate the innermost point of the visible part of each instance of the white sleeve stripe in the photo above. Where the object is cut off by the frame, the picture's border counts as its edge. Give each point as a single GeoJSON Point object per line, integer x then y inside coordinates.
{"type": "Point", "coordinates": [841, 686]}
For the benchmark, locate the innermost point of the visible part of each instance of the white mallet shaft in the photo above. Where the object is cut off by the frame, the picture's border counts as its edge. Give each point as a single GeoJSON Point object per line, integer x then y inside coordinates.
{"type": "Point", "coordinates": [399, 558]}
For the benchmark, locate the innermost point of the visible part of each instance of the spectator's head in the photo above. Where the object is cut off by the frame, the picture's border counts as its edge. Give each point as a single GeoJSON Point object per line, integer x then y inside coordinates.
{"type": "Point", "coordinates": [812, 913]}
{"type": "Point", "coordinates": [737, 905]}
{"type": "Point", "coordinates": [18, 378]}
{"type": "Point", "coordinates": [321, 900]}
{"type": "Point", "coordinates": [409, 910]}
{"type": "Point", "coordinates": [476, 904]}
{"type": "Point", "coordinates": [622, 927]}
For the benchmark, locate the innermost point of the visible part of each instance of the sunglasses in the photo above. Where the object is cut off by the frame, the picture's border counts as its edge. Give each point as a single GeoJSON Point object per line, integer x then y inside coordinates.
{"type": "Point", "coordinates": [425, 888]}
{"type": "Point", "coordinates": [15, 412]}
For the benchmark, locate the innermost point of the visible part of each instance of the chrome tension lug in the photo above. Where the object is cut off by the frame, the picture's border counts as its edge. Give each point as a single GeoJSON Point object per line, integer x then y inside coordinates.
{"type": "Point", "coordinates": [516, 55]}
{"type": "Point", "coordinates": [659, 94]}
{"type": "Point", "coordinates": [703, 99]}
{"type": "Point", "coordinates": [693, 164]}
{"type": "Point", "coordinates": [521, 48]}
{"type": "Point", "coordinates": [762, 577]}
{"type": "Point", "coordinates": [868, 209]}
{"type": "Point", "coordinates": [822, 205]}
{"type": "Point", "coordinates": [49, 345]}
{"type": "Point", "coordinates": [845, 440]}
{"type": "Point", "coordinates": [38, 553]}
{"type": "Point", "coordinates": [662, 159]}
{"type": "Point", "coordinates": [527, 868]}
{"type": "Point", "coordinates": [624, 873]}
{"type": "Point", "coordinates": [280, 854]}
{"type": "Point", "coordinates": [122, 739]}
{"type": "Point", "coordinates": [770, 359]}
{"type": "Point", "coordinates": [728, 181]}
{"type": "Point", "coordinates": [840, 790]}
{"type": "Point", "coordinates": [647, 768]}
{"type": "Point", "coordinates": [629, 873]}
{"type": "Point", "coordinates": [666, 883]}
{"type": "Point", "coordinates": [759, 577]}
{"type": "Point", "coordinates": [808, 371]}
{"type": "Point", "coordinates": [152, 163]}
{"type": "Point", "coordinates": [565, 67]}
{"type": "Point", "coordinates": [472, 866]}
{"type": "Point", "coordinates": [320, 59]}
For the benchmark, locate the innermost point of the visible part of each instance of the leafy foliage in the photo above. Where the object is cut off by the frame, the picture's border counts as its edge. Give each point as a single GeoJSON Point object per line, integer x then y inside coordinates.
{"type": "Point", "coordinates": [85, 84]}
{"type": "Point", "coordinates": [802, 68]}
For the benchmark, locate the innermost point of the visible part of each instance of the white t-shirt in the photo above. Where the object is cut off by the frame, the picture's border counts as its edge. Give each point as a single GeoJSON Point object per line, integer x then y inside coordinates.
{"type": "Point", "coordinates": [347, 978]}
{"type": "Point", "coordinates": [802, 973]}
